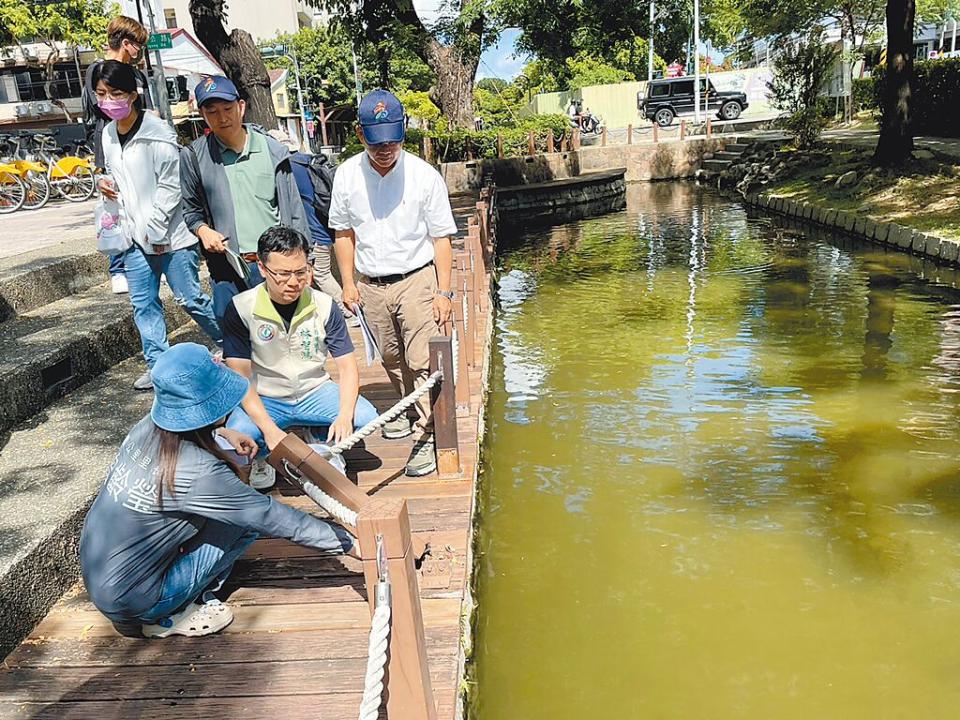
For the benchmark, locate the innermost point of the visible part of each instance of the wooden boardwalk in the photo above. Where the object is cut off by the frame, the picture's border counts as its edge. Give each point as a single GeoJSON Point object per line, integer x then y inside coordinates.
{"type": "Point", "coordinates": [298, 645]}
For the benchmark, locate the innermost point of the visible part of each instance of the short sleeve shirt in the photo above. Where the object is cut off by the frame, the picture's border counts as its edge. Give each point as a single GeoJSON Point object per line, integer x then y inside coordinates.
{"type": "Point", "coordinates": [253, 186]}
{"type": "Point", "coordinates": [395, 217]}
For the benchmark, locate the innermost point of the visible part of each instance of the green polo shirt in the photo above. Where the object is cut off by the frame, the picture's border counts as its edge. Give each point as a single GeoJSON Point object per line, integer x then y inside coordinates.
{"type": "Point", "coordinates": [253, 186]}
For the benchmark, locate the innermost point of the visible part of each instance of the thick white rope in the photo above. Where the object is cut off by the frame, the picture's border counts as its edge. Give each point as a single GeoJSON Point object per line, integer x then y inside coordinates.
{"type": "Point", "coordinates": [376, 663]}
{"type": "Point", "coordinates": [337, 510]}
{"type": "Point", "coordinates": [374, 425]}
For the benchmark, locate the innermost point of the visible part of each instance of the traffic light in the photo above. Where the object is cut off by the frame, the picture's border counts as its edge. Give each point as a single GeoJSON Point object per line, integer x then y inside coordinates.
{"type": "Point", "coordinates": [177, 89]}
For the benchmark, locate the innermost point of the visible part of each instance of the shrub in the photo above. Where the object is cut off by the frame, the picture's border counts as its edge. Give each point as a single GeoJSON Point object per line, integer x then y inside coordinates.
{"type": "Point", "coordinates": [863, 95]}
{"type": "Point", "coordinates": [455, 145]}
{"type": "Point", "coordinates": [935, 89]}
{"type": "Point", "coordinates": [806, 125]}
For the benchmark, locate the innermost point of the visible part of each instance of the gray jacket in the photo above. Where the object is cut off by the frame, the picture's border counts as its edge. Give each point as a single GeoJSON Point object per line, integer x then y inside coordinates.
{"type": "Point", "coordinates": [207, 199]}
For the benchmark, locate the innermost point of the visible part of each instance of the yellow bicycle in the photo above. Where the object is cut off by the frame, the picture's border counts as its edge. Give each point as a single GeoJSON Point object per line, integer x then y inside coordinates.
{"type": "Point", "coordinates": [12, 190]}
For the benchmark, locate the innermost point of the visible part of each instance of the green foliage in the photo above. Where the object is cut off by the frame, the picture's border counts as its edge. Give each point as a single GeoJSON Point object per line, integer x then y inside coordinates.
{"type": "Point", "coordinates": [800, 73]}
{"type": "Point", "coordinates": [935, 89]}
{"type": "Point", "coordinates": [806, 125]}
{"type": "Point", "coordinates": [863, 95]}
{"type": "Point", "coordinates": [585, 70]}
{"type": "Point", "coordinates": [77, 23]}
{"type": "Point", "coordinates": [419, 105]}
{"type": "Point", "coordinates": [456, 144]}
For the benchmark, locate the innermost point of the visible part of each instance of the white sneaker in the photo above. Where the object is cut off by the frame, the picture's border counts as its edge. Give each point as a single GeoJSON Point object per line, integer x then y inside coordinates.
{"type": "Point", "coordinates": [118, 284]}
{"type": "Point", "coordinates": [194, 621]}
{"type": "Point", "coordinates": [262, 475]}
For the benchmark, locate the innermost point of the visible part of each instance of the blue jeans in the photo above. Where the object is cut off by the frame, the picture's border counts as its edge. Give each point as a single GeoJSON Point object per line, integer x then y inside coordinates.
{"type": "Point", "coordinates": [182, 270]}
{"type": "Point", "coordinates": [318, 409]}
{"type": "Point", "coordinates": [116, 265]}
{"type": "Point", "coordinates": [224, 290]}
{"type": "Point", "coordinates": [205, 559]}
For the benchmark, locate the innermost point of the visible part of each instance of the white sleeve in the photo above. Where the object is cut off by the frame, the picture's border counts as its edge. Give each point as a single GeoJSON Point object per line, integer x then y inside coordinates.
{"type": "Point", "coordinates": [439, 215]}
{"type": "Point", "coordinates": [339, 218]}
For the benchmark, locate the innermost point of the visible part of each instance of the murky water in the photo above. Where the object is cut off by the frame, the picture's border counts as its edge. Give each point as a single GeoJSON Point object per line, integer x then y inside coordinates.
{"type": "Point", "coordinates": [722, 475]}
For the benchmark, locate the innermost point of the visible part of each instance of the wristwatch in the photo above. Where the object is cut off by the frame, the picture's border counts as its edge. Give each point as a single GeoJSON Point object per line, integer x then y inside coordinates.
{"type": "Point", "coordinates": [449, 294]}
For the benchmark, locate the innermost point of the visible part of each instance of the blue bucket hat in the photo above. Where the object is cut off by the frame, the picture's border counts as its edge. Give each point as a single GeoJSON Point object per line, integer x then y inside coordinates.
{"type": "Point", "coordinates": [192, 391]}
{"type": "Point", "coordinates": [215, 87]}
{"type": "Point", "coordinates": [381, 116]}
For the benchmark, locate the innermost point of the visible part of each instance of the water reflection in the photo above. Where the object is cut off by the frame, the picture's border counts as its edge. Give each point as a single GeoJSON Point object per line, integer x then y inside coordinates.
{"type": "Point", "coordinates": [721, 472]}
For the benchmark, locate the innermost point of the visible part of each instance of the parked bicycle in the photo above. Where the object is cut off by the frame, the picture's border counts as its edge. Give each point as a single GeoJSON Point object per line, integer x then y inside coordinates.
{"type": "Point", "coordinates": [33, 173]}
{"type": "Point", "coordinates": [12, 190]}
{"type": "Point", "coordinates": [72, 177]}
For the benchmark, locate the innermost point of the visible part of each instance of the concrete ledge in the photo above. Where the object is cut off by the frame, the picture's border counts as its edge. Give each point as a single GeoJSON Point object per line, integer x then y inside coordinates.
{"type": "Point", "coordinates": [33, 279]}
{"type": "Point", "coordinates": [49, 352]}
{"type": "Point", "coordinates": [50, 470]}
{"type": "Point", "coordinates": [563, 200]}
{"type": "Point", "coordinates": [862, 226]}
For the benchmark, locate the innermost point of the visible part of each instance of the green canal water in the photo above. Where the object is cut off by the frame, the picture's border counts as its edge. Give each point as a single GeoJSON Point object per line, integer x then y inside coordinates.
{"type": "Point", "coordinates": [721, 474]}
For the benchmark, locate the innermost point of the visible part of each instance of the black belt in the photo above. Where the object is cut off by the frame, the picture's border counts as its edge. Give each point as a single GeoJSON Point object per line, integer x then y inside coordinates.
{"type": "Point", "coordinates": [390, 279]}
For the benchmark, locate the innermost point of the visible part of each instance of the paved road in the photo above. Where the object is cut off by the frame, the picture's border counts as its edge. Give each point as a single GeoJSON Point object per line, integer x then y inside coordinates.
{"type": "Point", "coordinates": [59, 222]}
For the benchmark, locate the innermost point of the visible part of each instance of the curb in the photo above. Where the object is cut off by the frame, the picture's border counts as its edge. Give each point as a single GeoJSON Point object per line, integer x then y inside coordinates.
{"type": "Point", "coordinates": [889, 234]}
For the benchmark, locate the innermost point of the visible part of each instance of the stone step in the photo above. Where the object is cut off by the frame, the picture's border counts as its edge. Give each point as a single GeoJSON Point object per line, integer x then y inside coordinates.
{"type": "Point", "coordinates": [738, 147]}
{"type": "Point", "coordinates": [727, 155]}
{"type": "Point", "coordinates": [717, 165]}
{"type": "Point", "coordinates": [50, 351]}
{"type": "Point", "coordinates": [51, 467]}
{"type": "Point", "coordinates": [36, 278]}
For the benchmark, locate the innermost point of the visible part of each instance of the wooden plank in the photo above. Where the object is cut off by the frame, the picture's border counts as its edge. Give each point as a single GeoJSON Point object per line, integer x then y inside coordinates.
{"type": "Point", "coordinates": [247, 678]}
{"type": "Point", "coordinates": [285, 618]}
{"type": "Point", "coordinates": [299, 707]}
{"type": "Point", "coordinates": [104, 651]}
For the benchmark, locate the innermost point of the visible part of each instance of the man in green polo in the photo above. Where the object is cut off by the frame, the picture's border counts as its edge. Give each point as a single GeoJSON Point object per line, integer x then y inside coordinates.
{"type": "Point", "coordinates": [278, 335]}
{"type": "Point", "coordinates": [237, 182]}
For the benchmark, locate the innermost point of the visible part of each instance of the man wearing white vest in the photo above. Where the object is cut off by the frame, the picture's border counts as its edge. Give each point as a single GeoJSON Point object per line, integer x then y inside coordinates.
{"type": "Point", "coordinates": [278, 334]}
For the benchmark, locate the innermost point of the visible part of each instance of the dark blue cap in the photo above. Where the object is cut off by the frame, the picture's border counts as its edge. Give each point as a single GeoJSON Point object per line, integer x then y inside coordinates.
{"type": "Point", "coordinates": [216, 87]}
{"type": "Point", "coordinates": [381, 117]}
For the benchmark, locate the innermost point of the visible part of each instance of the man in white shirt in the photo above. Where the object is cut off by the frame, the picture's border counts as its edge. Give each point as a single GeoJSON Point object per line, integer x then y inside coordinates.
{"type": "Point", "coordinates": [393, 222]}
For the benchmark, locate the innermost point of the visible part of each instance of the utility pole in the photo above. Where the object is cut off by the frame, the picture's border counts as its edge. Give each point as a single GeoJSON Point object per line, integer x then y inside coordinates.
{"type": "Point", "coordinates": [303, 107]}
{"type": "Point", "coordinates": [653, 19]}
{"type": "Point", "coordinates": [356, 77]}
{"type": "Point", "coordinates": [160, 81]}
{"type": "Point", "coordinates": [696, 59]}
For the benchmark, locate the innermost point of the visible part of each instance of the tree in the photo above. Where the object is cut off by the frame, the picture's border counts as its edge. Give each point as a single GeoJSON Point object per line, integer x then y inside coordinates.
{"type": "Point", "coordinates": [451, 46]}
{"type": "Point", "coordinates": [896, 135]}
{"type": "Point", "coordinates": [239, 57]}
{"type": "Point", "coordinates": [73, 23]}
{"type": "Point", "coordinates": [585, 70]}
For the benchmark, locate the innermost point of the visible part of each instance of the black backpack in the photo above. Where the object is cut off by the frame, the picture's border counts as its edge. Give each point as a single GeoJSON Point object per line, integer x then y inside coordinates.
{"type": "Point", "coordinates": [322, 170]}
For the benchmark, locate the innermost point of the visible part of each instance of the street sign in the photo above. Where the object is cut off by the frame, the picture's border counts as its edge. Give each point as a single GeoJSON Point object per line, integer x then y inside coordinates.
{"type": "Point", "coordinates": [160, 41]}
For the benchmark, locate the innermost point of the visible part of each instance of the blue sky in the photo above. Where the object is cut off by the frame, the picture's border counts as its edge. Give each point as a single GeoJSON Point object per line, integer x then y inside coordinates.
{"type": "Point", "coordinates": [500, 60]}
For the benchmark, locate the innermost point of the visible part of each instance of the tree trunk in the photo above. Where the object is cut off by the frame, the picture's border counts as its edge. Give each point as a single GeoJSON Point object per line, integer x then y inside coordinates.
{"type": "Point", "coordinates": [239, 57]}
{"type": "Point", "coordinates": [896, 133]}
{"type": "Point", "coordinates": [453, 92]}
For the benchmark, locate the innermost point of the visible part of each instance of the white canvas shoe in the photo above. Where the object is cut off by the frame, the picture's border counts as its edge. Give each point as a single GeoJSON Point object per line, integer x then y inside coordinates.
{"type": "Point", "coordinates": [118, 283]}
{"type": "Point", "coordinates": [262, 475]}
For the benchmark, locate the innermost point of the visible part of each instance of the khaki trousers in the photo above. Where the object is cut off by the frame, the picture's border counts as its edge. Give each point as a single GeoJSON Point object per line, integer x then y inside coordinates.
{"type": "Point", "coordinates": [323, 278]}
{"type": "Point", "coordinates": [401, 316]}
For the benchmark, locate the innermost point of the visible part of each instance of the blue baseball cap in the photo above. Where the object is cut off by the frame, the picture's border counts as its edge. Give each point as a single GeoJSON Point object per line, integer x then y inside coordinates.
{"type": "Point", "coordinates": [216, 87]}
{"type": "Point", "coordinates": [191, 390]}
{"type": "Point", "coordinates": [382, 118]}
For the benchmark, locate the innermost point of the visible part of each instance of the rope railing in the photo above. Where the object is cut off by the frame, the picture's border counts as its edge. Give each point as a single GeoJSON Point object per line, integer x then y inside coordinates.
{"type": "Point", "coordinates": [377, 648]}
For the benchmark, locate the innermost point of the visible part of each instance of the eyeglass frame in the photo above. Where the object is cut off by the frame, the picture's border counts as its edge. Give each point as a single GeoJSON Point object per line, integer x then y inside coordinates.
{"type": "Point", "coordinates": [283, 276]}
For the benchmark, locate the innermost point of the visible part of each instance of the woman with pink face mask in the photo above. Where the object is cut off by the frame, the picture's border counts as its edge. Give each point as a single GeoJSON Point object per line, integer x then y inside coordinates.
{"type": "Point", "coordinates": [142, 156]}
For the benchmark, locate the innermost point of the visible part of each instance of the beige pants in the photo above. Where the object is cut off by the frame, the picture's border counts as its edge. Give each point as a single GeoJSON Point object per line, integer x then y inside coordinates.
{"type": "Point", "coordinates": [401, 316]}
{"type": "Point", "coordinates": [323, 277]}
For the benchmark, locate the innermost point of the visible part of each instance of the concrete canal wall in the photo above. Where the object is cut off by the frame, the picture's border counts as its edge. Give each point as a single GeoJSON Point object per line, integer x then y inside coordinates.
{"type": "Point", "coordinates": [861, 226]}
{"type": "Point", "coordinates": [642, 162]}
{"type": "Point", "coordinates": [586, 195]}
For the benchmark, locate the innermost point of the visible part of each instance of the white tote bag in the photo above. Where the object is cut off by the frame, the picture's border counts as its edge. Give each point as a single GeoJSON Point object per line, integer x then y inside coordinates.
{"type": "Point", "coordinates": [111, 240]}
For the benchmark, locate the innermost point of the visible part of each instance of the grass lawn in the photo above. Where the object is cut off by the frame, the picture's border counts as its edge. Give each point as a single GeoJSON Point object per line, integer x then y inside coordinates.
{"type": "Point", "coordinates": [926, 196]}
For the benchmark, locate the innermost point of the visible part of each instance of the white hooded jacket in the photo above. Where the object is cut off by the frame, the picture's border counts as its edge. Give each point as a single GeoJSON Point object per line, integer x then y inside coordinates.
{"type": "Point", "coordinates": [147, 176]}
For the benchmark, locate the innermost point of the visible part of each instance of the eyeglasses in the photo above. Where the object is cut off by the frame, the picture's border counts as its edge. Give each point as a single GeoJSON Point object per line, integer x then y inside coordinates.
{"type": "Point", "coordinates": [283, 276]}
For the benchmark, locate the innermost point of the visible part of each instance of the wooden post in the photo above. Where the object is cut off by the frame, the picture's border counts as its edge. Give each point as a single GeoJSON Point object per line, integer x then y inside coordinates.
{"type": "Point", "coordinates": [463, 370]}
{"type": "Point", "coordinates": [683, 129]}
{"type": "Point", "coordinates": [500, 145]}
{"type": "Point", "coordinates": [603, 137]}
{"type": "Point", "coordinates": [464, 301]}
{"type": "Point", "coordinates": [656, 132]}
{"type": "Point", "coordinates": [709, 128]}
{"type": "Point", "coordinates": [323, 125]}
{"type": "Point", "coordinates": [428, 148]}
{"type": "Point", "coordinates": [444, 405]}
{"type": "Point", "coordinates": [409, 690]}
{"type": "Point", "coordinates": [575, 139]}
{"type": "Point", "coordinates": [469, 149]}
{"type": "Point", "coordinates": [531, 143]}
{"type": "Point", "coordinates": [550, 145]}
{"type": "Point", "coordinates": [629, 134]}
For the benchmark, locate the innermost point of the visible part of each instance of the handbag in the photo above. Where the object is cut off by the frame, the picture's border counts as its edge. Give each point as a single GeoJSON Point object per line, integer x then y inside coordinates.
{"type": "Point", "coordinates": [111, 240]}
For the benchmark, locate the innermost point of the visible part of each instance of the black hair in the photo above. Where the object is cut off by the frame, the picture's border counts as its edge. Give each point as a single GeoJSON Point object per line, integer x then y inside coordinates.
{"type": "Point", "coordinates": [117, 75]}
{"type": "Point", "coordinates": [281, 239]}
